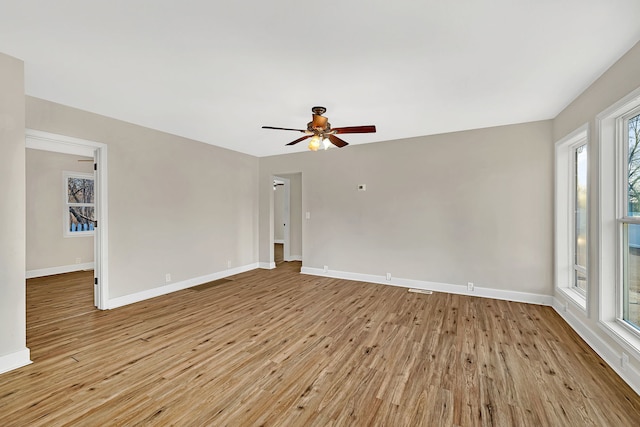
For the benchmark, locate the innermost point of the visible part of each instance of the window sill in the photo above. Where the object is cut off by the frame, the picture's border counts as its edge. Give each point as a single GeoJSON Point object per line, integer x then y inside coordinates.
{"type": "Point", "coordinates": [80, 234]}
{"type": "Point", "coordinates": [575, 297]}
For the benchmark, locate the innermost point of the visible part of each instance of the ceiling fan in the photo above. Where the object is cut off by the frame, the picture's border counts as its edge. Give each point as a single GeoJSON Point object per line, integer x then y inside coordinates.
{"type": "Point", "coordinates": [320, 131]}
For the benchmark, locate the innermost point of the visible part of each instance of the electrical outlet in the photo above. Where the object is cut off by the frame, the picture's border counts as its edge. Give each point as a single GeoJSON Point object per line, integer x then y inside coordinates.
{"type": "Point", "coordinates": [470, 286]}
{"type": "Point", "coordinates": [388, 276]}
{"type": "Point", "coordinates": [167, 277]}
{"type": "Point", "coordinates": [624, 360]}
{"type": "Point", "coordinates": [228, 264]}
{"type": "Point", "coordinates": [566, 307]}
{"type": "Point", "coordinates": [78, 260]}
{"type": "Point", "coordinates": [325, 269]}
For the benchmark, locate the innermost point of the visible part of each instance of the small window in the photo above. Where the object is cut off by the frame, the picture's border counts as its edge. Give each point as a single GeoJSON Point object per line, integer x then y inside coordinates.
{"type": "Point", "coordinates": [580, 218]}
{"type": "Point", "coordinates": [571, 216]}
{"type": "Point", "coordinates": [79, 206]}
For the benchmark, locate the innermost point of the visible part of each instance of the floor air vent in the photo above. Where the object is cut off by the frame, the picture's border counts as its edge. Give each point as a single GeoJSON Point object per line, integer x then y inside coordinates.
{"type": "Point", "coordinates": [420, 291]}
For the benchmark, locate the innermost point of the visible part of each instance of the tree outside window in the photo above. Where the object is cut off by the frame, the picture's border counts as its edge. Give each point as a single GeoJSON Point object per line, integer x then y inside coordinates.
{"type": "Point", "coordinates": [634, 166]}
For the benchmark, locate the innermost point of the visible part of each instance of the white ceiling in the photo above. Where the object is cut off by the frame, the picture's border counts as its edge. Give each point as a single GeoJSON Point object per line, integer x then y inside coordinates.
{"type": "Point", "coordinates": [216, 71]}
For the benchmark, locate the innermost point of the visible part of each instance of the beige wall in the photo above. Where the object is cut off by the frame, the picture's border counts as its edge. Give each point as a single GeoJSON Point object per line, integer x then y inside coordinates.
{"type": "Point", "coordinates": [617, 82]}
{"type": "Point", "coordinates": [176, 206]}
{"type": "Point", "coordinates": [466, 206]}
{"type": "Point", "coordinates": [12, 214]}
{"type": "Point", "coordinates": [46, 245]}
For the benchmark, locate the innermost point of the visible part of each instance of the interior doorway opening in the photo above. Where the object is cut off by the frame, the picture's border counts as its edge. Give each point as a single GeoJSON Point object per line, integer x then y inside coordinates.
{"type": "Point", "coordinates": [45, 141]}
{"type": "Point", "coordinates": [281, 219]}
{"type": "Point", "coordinates": [287, 218]}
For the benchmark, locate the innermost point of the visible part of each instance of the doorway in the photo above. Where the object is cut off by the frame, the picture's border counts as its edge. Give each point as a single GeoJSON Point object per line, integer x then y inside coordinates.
{"type": "Point", "coordinates": [39, 140]}
{"type": "Point", "coordinates": [287, 218]}
{"type": "Point", "coordinates": [281, 219]}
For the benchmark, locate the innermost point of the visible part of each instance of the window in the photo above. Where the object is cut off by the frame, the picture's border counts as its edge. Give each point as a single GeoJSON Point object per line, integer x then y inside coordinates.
{"type": "Point", "coordinates": [629, 218]}
{"type": "Point", "coordinates": [619, 221]}
{"type": "Point", "coordinates": [579, 187]}
{"type": "Point", "coordinates": [79, 206]}
{"type": "Point", "coordinates": [571, 195]}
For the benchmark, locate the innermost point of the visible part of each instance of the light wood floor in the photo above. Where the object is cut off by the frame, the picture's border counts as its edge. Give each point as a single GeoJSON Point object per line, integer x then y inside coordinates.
{"type": "Point", "coordinates": [278, 253]}
{"type": "Point", "coordinates": [282, 349]}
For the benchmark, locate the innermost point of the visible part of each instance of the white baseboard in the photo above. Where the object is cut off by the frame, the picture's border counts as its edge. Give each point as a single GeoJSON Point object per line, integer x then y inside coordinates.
{"type": "Point", "coordinates": [435, 286]}
{"type": "Point", "coordinates": [279, 241]}
{"type": "Point", "coordinates": [59, 270]}
{"type": "Point", "coordinates": [294, 258]}
{"type": "Point", "coordinates": [177, 286]}
{"type": "Point", "coordinates": [15, 360]}
{"type": "Point", "coordinates": [613, 358]}
{"type": "Point", "coordinates": [267, 265]}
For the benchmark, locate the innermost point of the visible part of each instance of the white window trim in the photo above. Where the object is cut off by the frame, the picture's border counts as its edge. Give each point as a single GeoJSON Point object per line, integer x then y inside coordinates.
{"type": "Point", "coordinates": [65, 205]}
{"type": "Point", "coordinates": [565, 217]}
{"type": "Point", "coordinates": [611, 194]}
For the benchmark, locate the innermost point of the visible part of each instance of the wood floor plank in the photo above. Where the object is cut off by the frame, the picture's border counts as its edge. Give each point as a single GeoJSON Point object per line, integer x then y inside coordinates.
{"type": "Point", "coordinates": [274, 347]}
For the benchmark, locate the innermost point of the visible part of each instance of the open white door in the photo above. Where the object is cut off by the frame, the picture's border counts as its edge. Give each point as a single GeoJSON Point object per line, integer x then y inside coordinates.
{"type": "Point", "coordinates": [97, 240]}
{"type": "Point", "coordinates": [100, 294]}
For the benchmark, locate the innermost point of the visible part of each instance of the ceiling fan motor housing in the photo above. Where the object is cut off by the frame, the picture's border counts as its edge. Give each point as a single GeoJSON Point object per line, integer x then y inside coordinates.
{"type": "Point", "coordinates": [318, 110]}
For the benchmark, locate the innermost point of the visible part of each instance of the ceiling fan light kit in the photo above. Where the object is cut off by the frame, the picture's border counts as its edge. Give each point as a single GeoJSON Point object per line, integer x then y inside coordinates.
{"type": "Point", "coordinates": [320, 133]}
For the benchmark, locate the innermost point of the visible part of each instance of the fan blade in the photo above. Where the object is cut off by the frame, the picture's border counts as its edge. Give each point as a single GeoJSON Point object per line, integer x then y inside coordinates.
{"type": "Point", "coordinates": [337, 141]}
{"type": "Point", "coordinates": [299, 139]}
{"type": "Point", "coordinates": [271, 127]}
{"type": "Point", "coordinates": [319, 121]}
{"type": "Point", "coordinates": [355, 129]}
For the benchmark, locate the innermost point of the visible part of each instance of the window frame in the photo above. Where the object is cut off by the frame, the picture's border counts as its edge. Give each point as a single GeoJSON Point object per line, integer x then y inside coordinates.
{"type": "Point", "coordinates": [565, 217]}
{"type": "Point", "coordinates": [66, 205]}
